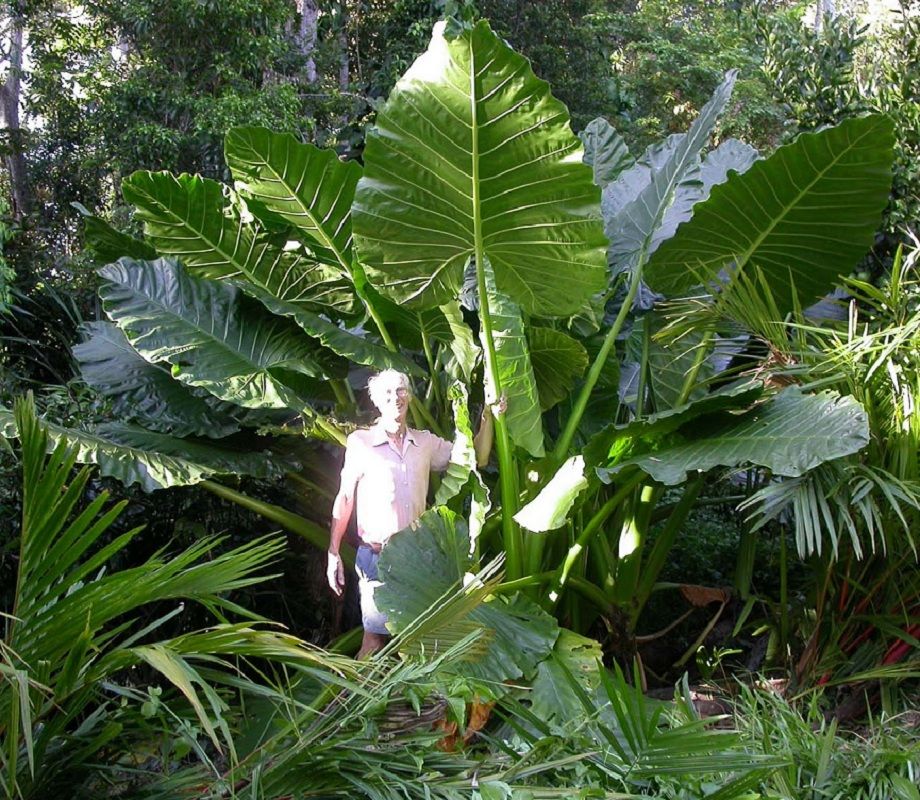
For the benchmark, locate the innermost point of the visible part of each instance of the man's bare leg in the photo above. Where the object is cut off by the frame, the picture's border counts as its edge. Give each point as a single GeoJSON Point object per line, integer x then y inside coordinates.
{"type": "Point", "coordinates": [372, 643]}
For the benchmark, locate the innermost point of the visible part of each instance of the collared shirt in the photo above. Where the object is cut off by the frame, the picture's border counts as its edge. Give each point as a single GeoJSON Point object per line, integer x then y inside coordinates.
{"type": "Point", "coordinates": [390, 486]}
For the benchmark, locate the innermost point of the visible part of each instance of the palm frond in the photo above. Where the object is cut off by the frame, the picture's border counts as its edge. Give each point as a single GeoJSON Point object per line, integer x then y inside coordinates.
{"type": "Point", "coordinates": [838, 498]}
{"type": "Point", "coordinates": [73, 630]}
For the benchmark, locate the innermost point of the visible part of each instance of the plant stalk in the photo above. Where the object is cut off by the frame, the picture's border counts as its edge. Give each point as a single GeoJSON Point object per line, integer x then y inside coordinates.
{"type": "Point", "coordinates": [565, 440]}
{"type": "Point", "coordinates": [507, 479]}
{"type": "Point", "coordinates": [690, 379]}
{"type": "Point", "coordinates": [313, 533]}
{"type": "Point", "coordinates": [663, 544]}
{"type": "Point", "coordinates": [587, 533]}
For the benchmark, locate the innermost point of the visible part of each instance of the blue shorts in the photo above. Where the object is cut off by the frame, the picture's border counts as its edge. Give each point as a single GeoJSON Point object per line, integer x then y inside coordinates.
{"type": "Point", "coordinates": [374, 620]}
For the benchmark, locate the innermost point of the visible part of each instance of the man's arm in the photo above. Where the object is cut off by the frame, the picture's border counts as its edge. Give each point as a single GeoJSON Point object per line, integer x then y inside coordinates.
{"type": "Point", "coordinates": [342, 510]}
{"type": "Point", "coordinates": [482, 441]}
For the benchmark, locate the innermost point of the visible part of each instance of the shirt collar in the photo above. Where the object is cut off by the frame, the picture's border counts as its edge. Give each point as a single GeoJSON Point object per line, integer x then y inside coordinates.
{"type": "Point", "coordinates": [379, 435]}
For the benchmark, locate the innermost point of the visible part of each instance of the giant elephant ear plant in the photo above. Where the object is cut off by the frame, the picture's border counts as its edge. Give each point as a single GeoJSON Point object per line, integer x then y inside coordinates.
{"type": "Point", "coordinates": [478, 213]}
{"type": "Point", "coordinates": [472, 160]}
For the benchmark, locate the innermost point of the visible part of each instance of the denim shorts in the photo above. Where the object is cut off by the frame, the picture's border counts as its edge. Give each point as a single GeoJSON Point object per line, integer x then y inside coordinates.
{"type": "Point", "coordinates": [374, 620]}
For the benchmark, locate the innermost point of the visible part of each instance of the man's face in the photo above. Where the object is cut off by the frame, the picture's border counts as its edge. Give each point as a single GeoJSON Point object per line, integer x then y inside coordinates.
{"type": "Point", "coordinates": [393, 402]}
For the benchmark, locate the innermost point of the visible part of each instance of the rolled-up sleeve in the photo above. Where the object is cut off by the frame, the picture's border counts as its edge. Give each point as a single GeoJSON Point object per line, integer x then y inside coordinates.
{"type": "Point", "coordinates": [352, 469]}
{"type": "Point", "coordinates": [440, 452]}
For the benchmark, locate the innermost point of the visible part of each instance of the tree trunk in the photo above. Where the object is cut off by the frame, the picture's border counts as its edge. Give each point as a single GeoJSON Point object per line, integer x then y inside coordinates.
{"type": "Point", "coordinates": [823, 8]}
{"type": "Point", "coordinates": [306, 35]}
{"type": "Point", "coordinates": [10, 91]}
{"type": "Point", "coordinates": [342, 37]}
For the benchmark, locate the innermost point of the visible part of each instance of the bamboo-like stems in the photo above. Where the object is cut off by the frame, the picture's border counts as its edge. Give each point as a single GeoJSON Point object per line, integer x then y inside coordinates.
{"type": "Point", "coordinates": [588, 532]}
{"type": "Point", "coordinates": [663, 544]}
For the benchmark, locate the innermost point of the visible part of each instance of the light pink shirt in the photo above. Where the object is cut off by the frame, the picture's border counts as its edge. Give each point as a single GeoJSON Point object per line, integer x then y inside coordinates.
{"type": "Point", "coordinates": [390, 487]}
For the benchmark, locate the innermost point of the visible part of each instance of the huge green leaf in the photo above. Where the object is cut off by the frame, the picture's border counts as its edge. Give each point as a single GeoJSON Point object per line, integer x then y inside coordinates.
{"type": "Point", "coordinates": [421, 564]}
{"type": "Point", "coordinates": [194, 219]}
{"type": "Point", "coordinates": [210, 336]}
{"type": "Point", "coordinates": [310, 188]}
{"type": "Point", "coordinates": [672, 363]}
{"type": "Point", "coordinates": [646, 203]}
{"type": "Point", "coordinates": [574, 659]}
{"type": "Point", "coordinates": [472, 148]}
{"type": "Point", "coordinates": [143, 391]}
{"type": "Point", "coordinates": [615, 439]}
{"type": "Point", "coordinates": [558, 361]}
{"type": "Point", "coordinates": [730, 156]}
{"type": "Point", "coordinates": [525, 425]}
{"type": "Point", "coordinates": [788, 435]}
{"type": "Point", "coordinates": [132, 454]}
{"type": "Point", "coordinates": [804, 216]}
{"type": "Point", "coordinates": [462, 344]}
{"type": "Point", "coordinates": [550, 508]}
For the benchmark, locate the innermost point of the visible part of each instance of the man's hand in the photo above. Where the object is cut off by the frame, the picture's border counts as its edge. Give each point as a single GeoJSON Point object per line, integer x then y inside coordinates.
{"type": "Point", "coordinates": [335, 573]}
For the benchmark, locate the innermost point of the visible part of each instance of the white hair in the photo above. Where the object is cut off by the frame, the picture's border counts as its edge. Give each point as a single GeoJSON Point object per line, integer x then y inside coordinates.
{"type": "Point", "coordinates": [379, 382]}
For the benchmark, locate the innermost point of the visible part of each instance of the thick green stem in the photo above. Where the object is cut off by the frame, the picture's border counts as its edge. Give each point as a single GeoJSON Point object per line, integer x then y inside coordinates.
{"type": "Point", "coordinates": [330, 430]}
{"type": "Point", "coordinates": [312, 486]}
{"type": "Point", "coordinates": [565, 440]}
{"type": "Point", "coordinates": [310, 531]}
{"type": "Point", "coordinates": [536, 579]}
{"type": "Point", "coordinates": [341, 395]}
{"type": "Point", "coordinates": [588, 532]}
{"type": "Point", "coordinates": [432, 372]}
{"type": "Point", "coordinates": [507, 478]}
{"type": "Point", "coordinates": [584, 587]}
{"type": "Point", "coordinates": [663, 544]}
{"type": "Point", "coordinates": [421, 414]}
{"type": "Point", "coordinates": [631, 541]}
{"type": "Point", "coordinates": [643, 371]}
{"type": "Point", "coordinates": [690, 380]}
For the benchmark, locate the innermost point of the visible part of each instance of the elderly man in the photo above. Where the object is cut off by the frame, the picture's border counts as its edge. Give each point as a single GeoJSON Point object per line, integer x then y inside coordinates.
{"type": "Point", "coordinates": [385, 476]}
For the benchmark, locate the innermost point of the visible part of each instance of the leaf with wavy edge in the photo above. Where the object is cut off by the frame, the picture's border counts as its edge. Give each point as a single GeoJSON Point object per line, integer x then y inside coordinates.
{"type": "Point", "coordinates": [647, 202]}
{"type": "Point", "coordinates": [463, 471]}
{"type": "Point", "coordinates": [356, 349]}
{"type": "Point", "coordinates": [108, 244]}
{"type": "Point", "coordinates": [310, 188]}
{"type": "Point", "coordinates": [608, 442]}
{"type": "Point", "coordinates": [605, 151]}
{"type": "Point", "coordinates": [211, 338]}
{"type": "Point", "coordinates": [132, 454]}
{"type": "Point", "coordinates": [525, 424]}
{"type": "Point", "coordinates": [731, 155]}
{"type": "Point", "coordinates": [558, 361]}
{"type": "Point", "coordinates": [193, 219]}
{"type": "Point", "coordinates": [462, 344]}
{"type": "Point", "coordinates": [787, 435]}
{"type": "Point", "coordinates": [809, 213]}
{"type": "Point", "coordinates": [143, 391]}
{"type": "Point", "coordinates": [471, 141]}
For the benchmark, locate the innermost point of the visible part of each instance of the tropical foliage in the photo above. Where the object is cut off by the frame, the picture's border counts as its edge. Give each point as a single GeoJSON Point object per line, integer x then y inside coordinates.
{"type": "Point", "coordinates": [470, 194]}
{"type": "Point", "coordinates": [656, 325]}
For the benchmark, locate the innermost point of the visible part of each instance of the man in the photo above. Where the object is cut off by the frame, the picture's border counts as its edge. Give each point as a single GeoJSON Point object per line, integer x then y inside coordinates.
{"type": "Point", "coordinates": [385, 476]}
